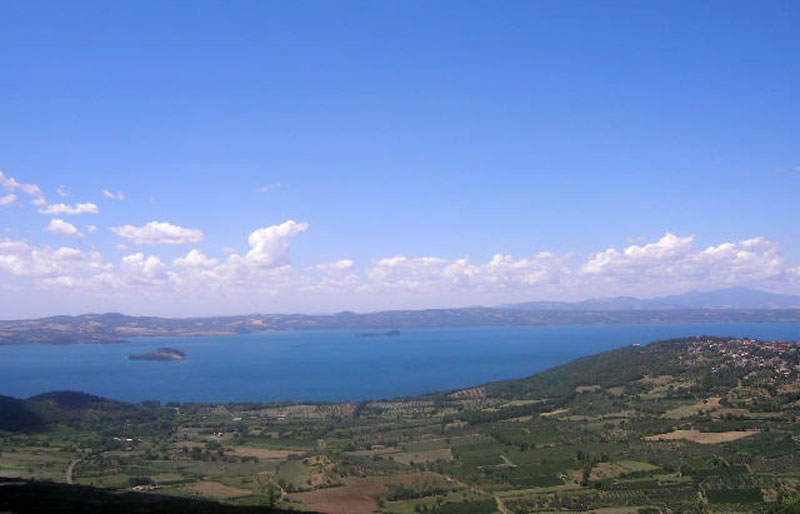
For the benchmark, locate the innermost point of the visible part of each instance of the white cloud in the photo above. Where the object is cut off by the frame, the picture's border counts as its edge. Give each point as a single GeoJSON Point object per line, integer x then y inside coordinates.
{"type": "Point", "coordinates": [640, 259]}
{"type": "Point", "coordinates": [138, 269]}
{"type": "Point", "coordinates": [676, 260]}
{"type": "Point", "coordinates": [264, 269]}
{"type": "Point", "coordinates": [268, 187]}
{"type": "Point", "coordinates": [8, 199]}
{"type": "Point", "coordinates": [113, 196]}
{"type": "Point", "coordinates": [158, 232]}
{"type": "Point", "coordinates": [64, 228]}
{"type": "Point", "coordinates": [32, 190]}
{"type": "Point", "coordinates": [269, 246]}
{"type": "Point", "coordinates": [8, 183]}
{"type": "Point", "coordinates": [91, 228]}
{"type": "Point", "coordinates": [22, 259]}
{"type": "Point", "coordinates": [671, 264]}
{"type": "Point", "coordinates": [339, 266]}
{"type": "Point", "coordinates": [406, 272]}
{"type": "Point", "coordinates": [436, 274]}
{"type": "Point", "coordinates": [62, 208]}
{"type": "Point", "coordinates": [62, 191]}
{"type": "Point", "coordinates": [195, 259]}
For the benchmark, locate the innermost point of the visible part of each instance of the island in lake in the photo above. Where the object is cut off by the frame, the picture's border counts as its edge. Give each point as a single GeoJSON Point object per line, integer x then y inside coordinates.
{"type": "Point", "coordinates": [390, 333]}
{"type": "Point", "coordinates": [161, 354]}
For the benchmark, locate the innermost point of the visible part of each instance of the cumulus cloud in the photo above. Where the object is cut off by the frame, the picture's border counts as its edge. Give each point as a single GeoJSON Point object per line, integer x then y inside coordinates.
{"type": "Point", "coordinates": [8, 183]}
{"type": "Point", "coordinates": [91, 228]}
{"type": "Point", "coordinates": [635, 259]}
{"type": "Point", "coordinates": [195, 259]}
{"type": "Point", "coordinates": [500, 273]}
{"type": "Point", "coordinates": [138, 269]}
{"type": "Point", "coordinates": [64, 228]}
{"type": "Point", "coordinates": [8, 199]}
{"type": "Point", "coordinates": [158, 232]}
{"type": "Point", "coordinates": [269, 246]}
{"type": "Point", "coordinates": [113, 196]}
{"type": "Point", "coordinates": [32, 190]}
{"type": "Point", "coordinates": [673, 263]}
{"type": "Point", "coordinates": [676, 259]}
{"type": "Point", "coordinates": [339, 266]}
{"type": "Point", "coordinates": [62, 208]}
{"type": "Point", "coordinates": [62, 191]}
{"type": "Point", "coordinates": [19, 258]}
{"type": "Point", "coordinates": [337, 277]}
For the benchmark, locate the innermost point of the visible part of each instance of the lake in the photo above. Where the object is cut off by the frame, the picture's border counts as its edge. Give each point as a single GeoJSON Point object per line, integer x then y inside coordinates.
{"type": "Point", "coordinates": [329, 365]}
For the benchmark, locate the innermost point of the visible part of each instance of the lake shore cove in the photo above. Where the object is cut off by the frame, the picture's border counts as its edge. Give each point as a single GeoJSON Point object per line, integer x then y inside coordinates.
{"type": "Point", "coordinates": [697, 424]}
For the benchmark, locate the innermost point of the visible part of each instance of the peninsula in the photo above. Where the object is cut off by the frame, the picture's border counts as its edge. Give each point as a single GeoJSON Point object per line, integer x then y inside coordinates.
{"type": "Point", "coordinates": [161, 354]}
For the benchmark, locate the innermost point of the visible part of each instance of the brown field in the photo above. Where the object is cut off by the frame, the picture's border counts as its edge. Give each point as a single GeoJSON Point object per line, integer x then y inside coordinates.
{"type": "Point", "coordinates": [357, 495]}
{"type": "Point", "coordinates": [616, 469]}
{"type": "Point", "coordinates": [747, 414]}
{"type": "Point", "coordinates": [692, 410]}
{"type": "Point", "coordinates": [519, 419]}
{"type": "Point", "coordinates": [554, 413]}
{"type": "Point", "coordinates": [617, 510]}
{"type": "Point", "coordinates": [217, 490]}
{"type": "Point", "coordinates": [262, 453]}
{"type": "Point", "coordinates": [609, 415]}
{"type": "Point", "coordinates": [657, 381]}
{"type": "Point", "coordinates": [190, 444]}
{"type": "Point", "coordinates": [702, 437]}
{"type": "Point", "coordinates": [520, 403]}
{"type": "Point", "coordinates": [475, 392]}
{"type": "Point", "coordinates": [425, 456]}
{"type": "Point", "coordinates": [607, 470]}
{"type": "Point", "coordinates": [587, 389]}
{"type": "Point", "coordinates": [376, 450]}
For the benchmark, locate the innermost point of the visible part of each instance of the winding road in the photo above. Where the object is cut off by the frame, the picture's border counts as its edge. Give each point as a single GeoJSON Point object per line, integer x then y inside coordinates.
{"type": "Point", "coordinates": [71, 469]}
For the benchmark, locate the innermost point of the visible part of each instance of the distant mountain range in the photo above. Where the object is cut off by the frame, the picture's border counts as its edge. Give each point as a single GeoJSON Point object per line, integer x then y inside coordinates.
{"type": "Point", "coordinates": [728, 298]}
{"type": "Point", "coordinates": [733, 305]}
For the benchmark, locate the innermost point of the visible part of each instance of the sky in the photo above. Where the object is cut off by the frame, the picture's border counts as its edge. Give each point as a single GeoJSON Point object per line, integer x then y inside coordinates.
{"type": "Point", "coordinates": [225, 157]}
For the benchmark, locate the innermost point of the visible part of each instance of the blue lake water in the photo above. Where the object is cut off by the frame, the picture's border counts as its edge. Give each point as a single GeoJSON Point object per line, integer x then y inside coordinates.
{"type": "Point", "coordinates": [329, 365]}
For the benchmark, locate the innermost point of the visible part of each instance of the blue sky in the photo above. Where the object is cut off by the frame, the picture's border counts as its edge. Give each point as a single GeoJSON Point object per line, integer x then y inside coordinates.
{"type": "Point", "coordinates": [395, 130]}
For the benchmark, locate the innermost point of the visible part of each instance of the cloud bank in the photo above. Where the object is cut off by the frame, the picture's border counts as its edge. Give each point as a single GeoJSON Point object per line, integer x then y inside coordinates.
{"type": "Point", "coordinates": [259, 274]}
{"type": "Point", "coordinates": [265, 274]}
{"type": "Point", "coordinates": [158, 233]}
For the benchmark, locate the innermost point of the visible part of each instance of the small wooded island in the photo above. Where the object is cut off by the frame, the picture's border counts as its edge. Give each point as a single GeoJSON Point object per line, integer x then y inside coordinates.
{"type": "Point", "coordinates": [161, 354]}
{"type": "Point", "coordinates": [390, 333]}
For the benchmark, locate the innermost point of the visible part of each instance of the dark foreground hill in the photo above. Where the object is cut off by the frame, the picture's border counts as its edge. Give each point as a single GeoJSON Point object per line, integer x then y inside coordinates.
{"type": "Point", "coordinates": [67, 407]}
{"type": "Point", "coordinates": [36, 497]}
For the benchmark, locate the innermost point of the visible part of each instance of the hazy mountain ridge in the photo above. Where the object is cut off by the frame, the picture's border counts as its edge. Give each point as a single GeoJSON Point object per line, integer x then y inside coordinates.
{"type": "Point", "coordinates": [115, 327]}
{"type": "Point", "coordinates": [728, 298]}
